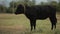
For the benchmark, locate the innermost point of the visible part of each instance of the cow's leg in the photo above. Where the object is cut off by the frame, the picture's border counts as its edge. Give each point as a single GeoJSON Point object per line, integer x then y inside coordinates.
{"type": "Point", "coordinates": [55, 19]}
{"type": "Point", "coordinates": [52, 26]}
{"type": "Point", "coordinates": [53, 22]}
{"type": "Point", "coordinates": [32, 24]}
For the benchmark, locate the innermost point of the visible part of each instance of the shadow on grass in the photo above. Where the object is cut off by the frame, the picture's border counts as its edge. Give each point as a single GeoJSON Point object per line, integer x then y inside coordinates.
{"type": "Point", "coordinates": [33, 31]}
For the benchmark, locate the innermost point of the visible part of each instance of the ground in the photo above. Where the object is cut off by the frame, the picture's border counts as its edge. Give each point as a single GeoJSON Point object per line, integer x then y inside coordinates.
{"type": "Point", "coordinates": [19, 24]}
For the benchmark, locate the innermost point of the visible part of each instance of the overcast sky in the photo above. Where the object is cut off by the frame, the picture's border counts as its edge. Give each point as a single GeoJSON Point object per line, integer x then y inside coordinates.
{"type": "Point", "coordinates": [6, 2]}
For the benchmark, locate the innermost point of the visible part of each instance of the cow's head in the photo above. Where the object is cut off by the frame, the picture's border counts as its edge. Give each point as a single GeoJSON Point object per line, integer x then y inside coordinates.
{"type": "Point", "coordinates": [20, 9]}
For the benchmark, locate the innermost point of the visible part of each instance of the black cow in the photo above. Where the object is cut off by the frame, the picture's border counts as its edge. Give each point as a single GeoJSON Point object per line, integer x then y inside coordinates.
{"type": "Point", "coordinates": [38, 12]}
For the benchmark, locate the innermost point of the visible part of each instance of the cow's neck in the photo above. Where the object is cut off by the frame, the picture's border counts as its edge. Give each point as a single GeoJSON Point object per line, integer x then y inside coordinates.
{"type": "Point", "coordinates": [25, 7]}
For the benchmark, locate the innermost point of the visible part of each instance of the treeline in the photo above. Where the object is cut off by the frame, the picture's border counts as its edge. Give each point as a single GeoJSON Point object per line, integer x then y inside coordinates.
{"type": "Point", "coordinates": [13, 5]}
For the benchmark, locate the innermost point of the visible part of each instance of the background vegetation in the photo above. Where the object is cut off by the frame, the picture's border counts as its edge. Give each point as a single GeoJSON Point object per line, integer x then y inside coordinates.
{"type": "Point", "coordinates": [13, 5]}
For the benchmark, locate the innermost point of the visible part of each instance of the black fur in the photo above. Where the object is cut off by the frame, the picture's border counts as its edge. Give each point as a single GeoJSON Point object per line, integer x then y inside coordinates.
{"type": "Point", "coordinates": [38, 12]}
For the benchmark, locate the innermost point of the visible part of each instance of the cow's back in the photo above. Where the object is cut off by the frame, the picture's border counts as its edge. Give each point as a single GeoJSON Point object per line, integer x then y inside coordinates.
{"type": "Point", "coordinates": [40, 12]}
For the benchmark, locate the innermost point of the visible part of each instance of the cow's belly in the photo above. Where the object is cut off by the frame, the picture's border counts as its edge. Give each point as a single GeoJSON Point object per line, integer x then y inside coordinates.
{"type": "Point", "coordinates": [42, 17]}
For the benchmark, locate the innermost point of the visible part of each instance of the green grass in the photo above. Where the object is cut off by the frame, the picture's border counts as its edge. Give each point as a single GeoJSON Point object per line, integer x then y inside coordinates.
{"type": "Point", "coordinates": [19, 24]}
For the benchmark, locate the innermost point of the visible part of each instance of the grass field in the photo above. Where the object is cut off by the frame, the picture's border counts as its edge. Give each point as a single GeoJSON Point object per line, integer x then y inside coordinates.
{"type": "Point", "coordinates": [19, 24]}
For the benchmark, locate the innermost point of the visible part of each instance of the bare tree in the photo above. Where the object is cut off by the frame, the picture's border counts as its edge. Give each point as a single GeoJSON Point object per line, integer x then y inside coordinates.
{"type": "Point", "coordinates": [26, 2]}
{"type": "Point", "coordinates": [33, 2]}
{"type": "Point", "coordinates": [49, 1]}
